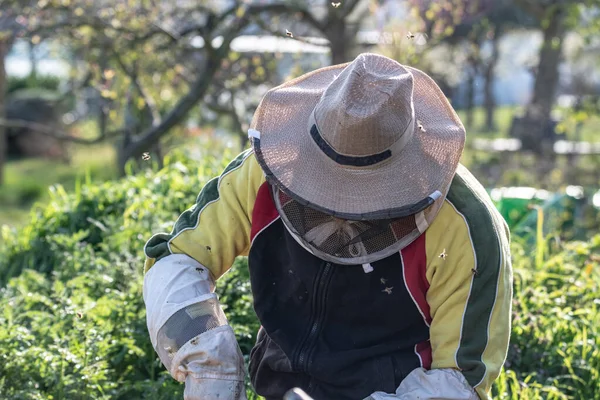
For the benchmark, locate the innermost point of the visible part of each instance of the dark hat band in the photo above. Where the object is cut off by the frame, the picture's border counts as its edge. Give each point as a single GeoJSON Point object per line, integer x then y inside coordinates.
{"type": "Point", "coordinates": [355, 161]}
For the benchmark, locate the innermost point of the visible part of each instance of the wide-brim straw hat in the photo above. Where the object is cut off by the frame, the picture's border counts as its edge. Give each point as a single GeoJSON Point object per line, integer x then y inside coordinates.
{"type": "Point", "coordinates": [367, 140]}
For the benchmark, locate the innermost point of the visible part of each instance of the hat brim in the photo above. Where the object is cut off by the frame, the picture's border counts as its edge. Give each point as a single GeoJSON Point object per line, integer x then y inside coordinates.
{"type": "Point", "coordinates": [399, 186]}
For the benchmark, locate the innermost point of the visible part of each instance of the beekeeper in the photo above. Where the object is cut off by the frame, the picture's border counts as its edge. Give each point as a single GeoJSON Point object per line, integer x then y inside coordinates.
{"type": "Point", "coordinates": [379, 266]}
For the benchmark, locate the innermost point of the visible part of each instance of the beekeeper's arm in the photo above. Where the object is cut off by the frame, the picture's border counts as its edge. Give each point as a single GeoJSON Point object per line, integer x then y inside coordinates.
{"type": "Point", "coordinates": [187, 326]}
{"type": "Point", "coordinates": [469, 296]}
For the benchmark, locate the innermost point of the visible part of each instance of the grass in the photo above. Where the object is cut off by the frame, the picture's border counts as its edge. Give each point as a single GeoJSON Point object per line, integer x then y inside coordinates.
{"type": "Point", "coordinates": [27, 180]}
{"type": "Point", "coordinates": [503, 119]}
{"type": "Point", "coordinates": [590, 128]}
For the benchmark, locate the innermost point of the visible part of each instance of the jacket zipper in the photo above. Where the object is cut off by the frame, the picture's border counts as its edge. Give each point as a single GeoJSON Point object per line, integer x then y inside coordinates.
{"type": "Point", "coordinates": [316, 318]}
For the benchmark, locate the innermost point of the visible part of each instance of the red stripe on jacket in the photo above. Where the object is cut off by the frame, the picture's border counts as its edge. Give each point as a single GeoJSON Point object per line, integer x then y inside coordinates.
{"type": "Point", "coordinates": [264, 211]}
{"type": "Point", "coordinates": [414, 263]}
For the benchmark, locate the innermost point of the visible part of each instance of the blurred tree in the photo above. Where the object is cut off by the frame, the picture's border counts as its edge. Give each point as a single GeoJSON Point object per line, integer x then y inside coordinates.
{"type": "Point", "coordinates": [155, 61]}
{"type": "Point", "coordinates": [556, 17]}
{"type": "Point", "coordinates": [463, 24]}
{"type": "Point", "coordinates": [483, 36]}
{"type": "Point", "coordinates": [340, 26]}
{"type": "Point", "coordinates": [336, 21]}
{"type": "Point", "coordinates": [476, 26]}
{"type": "Point", "coordinates": [10, 28]}
{"type": "Point", "coordinates": [238, 88]}
{"type": "Point", "coordinates": [4, 46]}
{"type": "Point", "coordinates": [582, 59]}
{"type": "Point", "coordinates": [156, 56]}
{"type": "Point", "coordinates": [441, 17]}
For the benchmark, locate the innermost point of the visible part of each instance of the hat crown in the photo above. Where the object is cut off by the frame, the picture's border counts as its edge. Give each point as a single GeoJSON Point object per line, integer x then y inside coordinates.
{"type": "Point", "coordinates": [368, 108]}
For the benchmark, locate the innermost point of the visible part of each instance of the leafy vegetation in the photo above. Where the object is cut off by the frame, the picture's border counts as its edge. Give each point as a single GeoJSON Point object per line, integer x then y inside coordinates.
{"type": "Point", "coordinates": [15, 83]}
{"type": "Point", "coordinates": [555, 343]}
{"type": "Point", "coordinates": [27, 180]}
{"type": "Point", "coordinates": [72, 322]}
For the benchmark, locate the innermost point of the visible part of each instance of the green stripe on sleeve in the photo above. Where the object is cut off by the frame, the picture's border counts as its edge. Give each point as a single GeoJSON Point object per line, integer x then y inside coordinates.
{"type": "Point", "coordinates": [479, 213]}
{"type": "Point", "coordinates": [157, 247]}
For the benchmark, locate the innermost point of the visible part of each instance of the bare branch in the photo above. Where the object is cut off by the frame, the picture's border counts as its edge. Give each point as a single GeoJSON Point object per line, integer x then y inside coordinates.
{"type": "Point", "coordinates": [174, 36]}
{"type": "Point", "coordinates": [149, 100]}
{"type": "Point", "coordinates": [178, 113]}
{"type": "Point", "coordinates": [275, 32]}
{"type": "Point", "coordinates": [71, 23]}
{"type": "Point", "coordinates": [56, 134]}
{"type": "Point", "coordinates": [184, 76]}
{"type": "Point", "coordinates": [229, 111]}
{"type": "Point", "coordinates": [85, 82]}
{"type": "Point", "coordinates": [199, 87]}
{"type": "Point", "coordinates": [226, 111]}
{"type": "Point", "coordinates": [281, 8]}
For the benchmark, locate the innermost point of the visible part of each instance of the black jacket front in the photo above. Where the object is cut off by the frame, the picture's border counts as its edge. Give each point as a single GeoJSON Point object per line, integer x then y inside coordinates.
{"type": "Point", "coordinates": [332, 330]}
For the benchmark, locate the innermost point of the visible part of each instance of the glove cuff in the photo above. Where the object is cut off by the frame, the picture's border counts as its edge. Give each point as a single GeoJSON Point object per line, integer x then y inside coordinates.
{"type": "Point", "coordinates": [214, 354]}
{"type": "Point", "coordinates": [213, 389]}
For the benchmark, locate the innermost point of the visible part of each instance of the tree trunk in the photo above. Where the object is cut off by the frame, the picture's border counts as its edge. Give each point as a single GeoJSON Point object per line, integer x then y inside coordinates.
{"type": "Point", "coordinates": [32, 60]}
{"type": "Point", "coordinates": [144, 141]}
{"type": "Point", "coordinates": [339, 41]}
{"type": "Point", "coordinates": [123, 155]}
{"type": "Point", "coordinates": [160, 157]}
{"type": "Point", "coordinates": [546, 80]}
{"type": "Point", "coordinates": [535, 129]}
{"type": "Point", "coordinates": [573, 158]}
{"type": "Point", "coordinates": [470, 103]}
{"type": "Point", "coordinates": [103, 102]}
{"type": "Point", "coordinates": [488, 88]}
{"type": "Point", "coordinates": [4, 46]}
{"type": "Point", "coordinates": [340, 31]}
{"type": "Point", "coordinates": [244, 142]}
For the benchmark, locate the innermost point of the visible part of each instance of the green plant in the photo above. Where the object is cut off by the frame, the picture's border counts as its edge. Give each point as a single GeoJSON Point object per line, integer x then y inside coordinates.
{"type": "Point", "coordinates": [72, 319]}
{"type": "Point", "coordinates": [555, 344]}
{"type": "Point", "coordinates": [48, 82]}
{"type": "Point", "coordinates": [73, 322]}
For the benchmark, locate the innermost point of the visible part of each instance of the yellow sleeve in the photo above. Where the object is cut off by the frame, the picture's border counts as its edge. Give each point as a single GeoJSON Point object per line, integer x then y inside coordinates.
{"type": "Point", "coordinates": [216, 229]}
{"type": "Point", "coordinates": [470, 277]}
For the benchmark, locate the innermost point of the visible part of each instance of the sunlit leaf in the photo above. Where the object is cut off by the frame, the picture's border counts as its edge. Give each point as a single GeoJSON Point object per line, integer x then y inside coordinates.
{"type": "Point", "coordinates": [109, 74]}
{"type": "Point", "coordinates": [240, 11]}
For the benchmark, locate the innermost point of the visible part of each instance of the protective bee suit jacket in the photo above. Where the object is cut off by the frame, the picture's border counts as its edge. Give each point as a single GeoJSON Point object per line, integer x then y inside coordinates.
{"type": "Point", "coordinates": [432, 320]}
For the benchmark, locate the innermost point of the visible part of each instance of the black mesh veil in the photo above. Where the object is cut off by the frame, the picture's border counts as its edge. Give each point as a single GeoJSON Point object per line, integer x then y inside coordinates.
{"type": "Point", "coordinates": [345, 241]}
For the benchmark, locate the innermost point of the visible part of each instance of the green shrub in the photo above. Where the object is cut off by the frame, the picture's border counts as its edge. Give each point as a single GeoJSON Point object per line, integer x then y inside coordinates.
{"type": "Point", "coordinates": [48, 82]}
{"type": "Point", "coordinates": [72, 319]}
{"type": "Point", "coordinates": [72, 324]}
{"type": "Point", "coordinates": [555, 344]}
{"type": "Point", "coordinates": [25, 192]}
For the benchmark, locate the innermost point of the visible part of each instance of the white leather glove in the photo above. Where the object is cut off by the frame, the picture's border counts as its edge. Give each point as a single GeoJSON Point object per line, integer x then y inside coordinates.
{"type": "Point", "coordinates": [213, 389]}
{"type": "Point", "coordinates": [435, 384]}
{"type": "Point", "coordinates": [189, 331]}
{"type": "Point", "coordinates": [212, 366]}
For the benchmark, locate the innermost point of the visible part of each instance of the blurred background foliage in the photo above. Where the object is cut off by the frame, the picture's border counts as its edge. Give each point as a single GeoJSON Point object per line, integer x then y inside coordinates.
{"type": "Point", "coordinates": [91, 85]}
{"type": "Point", "coordinates": [100, 98]}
